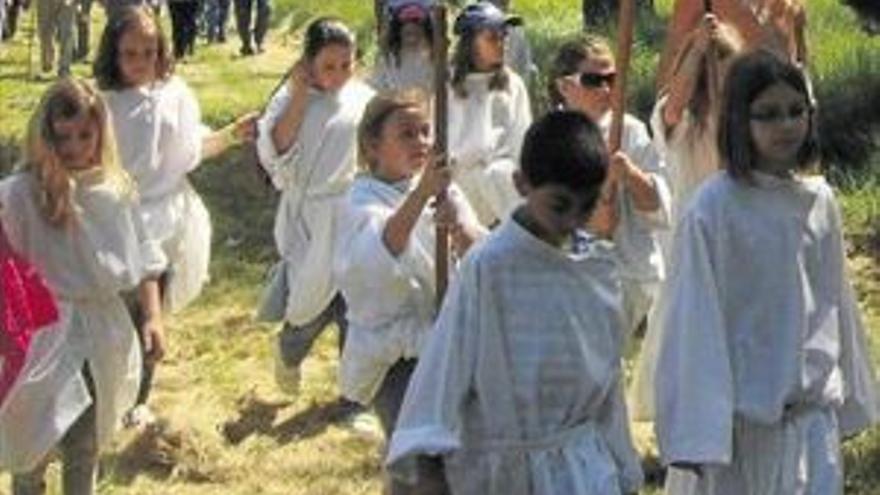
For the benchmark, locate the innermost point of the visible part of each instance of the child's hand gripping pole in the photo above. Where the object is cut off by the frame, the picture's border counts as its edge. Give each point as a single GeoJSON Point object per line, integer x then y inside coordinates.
{"type": "Point", "coordinates": [604, 218]}
{"type": "Point", "coordinates": [440, 107]}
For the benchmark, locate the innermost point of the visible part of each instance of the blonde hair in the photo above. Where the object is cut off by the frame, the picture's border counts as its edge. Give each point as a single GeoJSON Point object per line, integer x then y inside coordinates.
{"type": "Point", "coordinates": [66, 99]}
{"type": "Point", "coordinates": [377, 113]}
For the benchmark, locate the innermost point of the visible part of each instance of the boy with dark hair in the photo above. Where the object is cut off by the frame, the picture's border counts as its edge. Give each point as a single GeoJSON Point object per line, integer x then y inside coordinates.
{"type": "Point", "coordinates": [519, 387]}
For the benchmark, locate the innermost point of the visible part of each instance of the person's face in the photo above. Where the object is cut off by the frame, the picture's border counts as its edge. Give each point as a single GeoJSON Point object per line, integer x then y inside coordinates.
{"type": "Point", "coordinates": [779, 119]}
{"type": "Point", "coordinates": [589, 89]}
{"type": "Point", "coordinates": [555, 210]}
{"type": "Point", "coordinates": [413, 35]}
{"type": "Point", "coordinates": [489, 49]}
{"type": "Point", "coordinates": [76, 141]}
{"type": "Point", "coordinates": [403, 147]}
{"type": "Point", "coordinates": [138, 52]}
{"type": "Point", "coordinates": [332, 67]}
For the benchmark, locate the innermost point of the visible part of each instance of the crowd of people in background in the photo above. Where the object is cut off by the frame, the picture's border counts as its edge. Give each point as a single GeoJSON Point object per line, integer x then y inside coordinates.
{"type": "Point", "coordinates": [704, 244]}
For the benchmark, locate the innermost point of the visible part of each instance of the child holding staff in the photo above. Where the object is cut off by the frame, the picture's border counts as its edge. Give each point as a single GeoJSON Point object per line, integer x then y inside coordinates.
{"type": "Point", "coordinates": [518, 388]}
{"type": "Point", "coordinates": [385, 252]}
{"type": "Point", "coordinates": [581, 79]}
{"type": "Point", "coordinates": [71, 210]}
{"type": "Point", "coordinates": [762, 362]}
{"type": "Point", "coordinates": [307, 144]}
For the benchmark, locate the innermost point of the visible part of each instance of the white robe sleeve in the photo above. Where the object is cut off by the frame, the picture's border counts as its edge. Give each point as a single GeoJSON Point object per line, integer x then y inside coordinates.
{"type": "Point", "coordinates": [694, 382]}
{"type": "Point", "coordinates": [190, 128]}
{"type": "Point", "coordinates": [430, 418]}
{"type": "Point", "coordinates": [280, 166]}
{"type": "Point", "coordinates": [861, 406]}
{"type": "Point", "coordinates": [642, 152]}
{"type": "Point", "coordinates": [367, 269]}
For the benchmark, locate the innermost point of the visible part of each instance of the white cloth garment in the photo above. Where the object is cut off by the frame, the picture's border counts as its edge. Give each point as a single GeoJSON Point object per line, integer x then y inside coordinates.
{"type": "Point", "coordinates": [313, 176]}
{"type": "Point", "coordinates": [486, 131]}
{"type": "Point", "coordinates": [690, 152]}
{"type": "Point", "coordinates": [159, 133]}
{"type": "Point", "coordinates": [518, 386]}
{"type": "Point", "coordinates": [391, 300]}
{"type": "Point", "coordinates": [636, 237]}
{"type": "Point", "coordinates": [86, 266]}
{"type": "Point", "coordinates": [762, 351]}
{"type": "Point", "coordinates": [414, 70]}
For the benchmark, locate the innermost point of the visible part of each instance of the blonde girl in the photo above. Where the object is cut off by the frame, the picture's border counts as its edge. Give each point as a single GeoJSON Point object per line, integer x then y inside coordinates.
{"type": "Point", "coordinates": [384, 258]}
{"type": "Point", "coordinates": [71, 209]}
{"type": "Point", "coordinates": [158, 125]}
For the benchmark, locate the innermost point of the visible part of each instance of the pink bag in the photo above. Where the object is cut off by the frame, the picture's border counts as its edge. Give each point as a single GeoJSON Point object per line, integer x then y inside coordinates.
{"type": "Point", "coordinates": [26, 305]}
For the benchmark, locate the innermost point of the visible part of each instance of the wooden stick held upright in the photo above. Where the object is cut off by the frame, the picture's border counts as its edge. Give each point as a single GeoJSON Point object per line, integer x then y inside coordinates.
{"type": "Point", "coordinates": [712, 76]}
{"type": "Point", "coordinates": [625, 30]}
{"type": "Point", "coordinates": [440, 106]}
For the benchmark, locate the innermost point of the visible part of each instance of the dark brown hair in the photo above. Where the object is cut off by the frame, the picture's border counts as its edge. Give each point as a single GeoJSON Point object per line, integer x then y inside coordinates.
{"type": "Point", "coordinates": [749, 76]}
{"type": "Point", "coordinates": [463, 63]}
{"type": "Point", "coordinates": [106, 67]}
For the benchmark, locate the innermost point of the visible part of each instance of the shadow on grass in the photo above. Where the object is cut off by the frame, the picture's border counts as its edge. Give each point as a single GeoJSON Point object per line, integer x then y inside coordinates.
{"type": "Point", "coordinates": [258, 417]}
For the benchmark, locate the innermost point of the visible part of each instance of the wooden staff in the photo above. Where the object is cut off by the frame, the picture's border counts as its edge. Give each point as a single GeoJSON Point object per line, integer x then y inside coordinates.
{"type": "Point", "coordinates": [441, 69]}
{"type": "Point", "coordinates": [712, 77]}
{"type": "Point", "coordinates": [625, 29]}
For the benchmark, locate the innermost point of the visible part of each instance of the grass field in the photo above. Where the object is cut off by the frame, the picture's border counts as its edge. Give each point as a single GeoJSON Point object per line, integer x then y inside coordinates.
{"type": "Point", "coordinates": [225, 428]}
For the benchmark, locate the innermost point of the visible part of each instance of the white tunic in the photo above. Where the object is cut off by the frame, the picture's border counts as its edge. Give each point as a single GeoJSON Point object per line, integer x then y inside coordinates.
{"type": "Point", "coordinates": [691, 154]}
{"type": "Point", "coordinates": [415, 70]}
{"type": "Point", "coordinates": [313, 177]}
{"type": "Point", "coordinates": [519, 384]}
{"type": "Point", "coordinates": [762, 350]}
{"type": "Point", "coordinates": [391, 300]}
{"type": "Point", "coordinates": [486, 131]}
{"type": "Point", "coordinates": [159, 133]}
{"type": "Point", "coordinates": [86, 266]}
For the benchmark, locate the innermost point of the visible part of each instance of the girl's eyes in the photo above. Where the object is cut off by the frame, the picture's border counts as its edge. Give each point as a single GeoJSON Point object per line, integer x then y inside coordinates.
{"type": "Point", "coordinates": [775, 115]}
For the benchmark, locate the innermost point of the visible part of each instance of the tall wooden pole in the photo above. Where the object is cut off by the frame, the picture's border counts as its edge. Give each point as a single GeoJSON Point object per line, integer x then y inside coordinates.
{"type": "Point", "coordinates": [625, 29]}
{"type": "Point", "coordinates": [440, 106]}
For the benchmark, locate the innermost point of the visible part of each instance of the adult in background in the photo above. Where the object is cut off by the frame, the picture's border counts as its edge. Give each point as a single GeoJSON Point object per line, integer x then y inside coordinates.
{"type": "Point", "coordinates": [184, 16]}
{"type": "Point", "coordinates": [55, 22]}
{"type": "Point", "coordinates": [252, 36]}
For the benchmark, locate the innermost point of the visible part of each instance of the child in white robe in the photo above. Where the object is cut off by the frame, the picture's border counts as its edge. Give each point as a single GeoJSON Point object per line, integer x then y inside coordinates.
{"type": "Point", "coordinates": [385, 261]}
{"type": "Point", "coordinates": [307, 144]}
{"type": "Point", "coordinates": [763, 365]}
{"type": "Point", "coordinates": [581, 78]}
{"type": "Point", "coordinates": [161, 139]}
{"type": "Point", "coordinates": [489, 113]}
{"type": "Point", "coordinates": [405, 55]}
{"type": "Point", "coordinates": [519, 386]}
{"type": "Point", "coordinates": [71, 210]}
{"type": "Point", "coordinates": [685, 117]}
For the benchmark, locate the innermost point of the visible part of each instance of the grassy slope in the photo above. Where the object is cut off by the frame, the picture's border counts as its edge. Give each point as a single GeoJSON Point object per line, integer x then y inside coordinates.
{"type": "Point", "coordinates": [227, 429]}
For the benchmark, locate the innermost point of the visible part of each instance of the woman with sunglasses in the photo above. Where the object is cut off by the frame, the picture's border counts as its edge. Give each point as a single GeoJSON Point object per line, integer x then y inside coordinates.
{"type": "Point", "coordinates": [581, 78]}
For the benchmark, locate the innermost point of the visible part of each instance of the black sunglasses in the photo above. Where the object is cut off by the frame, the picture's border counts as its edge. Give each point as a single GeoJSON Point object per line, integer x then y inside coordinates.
{"type": "Point", "coordinates": [594, 80]}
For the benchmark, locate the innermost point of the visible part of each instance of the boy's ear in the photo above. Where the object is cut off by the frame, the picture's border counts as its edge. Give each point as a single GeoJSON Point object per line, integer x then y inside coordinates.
{"type": "Point", "coordinates": [521, 183]}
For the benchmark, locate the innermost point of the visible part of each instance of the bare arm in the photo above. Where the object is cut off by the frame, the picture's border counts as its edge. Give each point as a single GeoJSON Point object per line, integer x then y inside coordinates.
{"type": "Point", "coordinates": [683, 82]}
{"type": "Point", "coordinates": [286, 128]}
{"type": "Point", "coordinates": [244, 129]}
{"type": "Point", "coordinates": [152, 330]}
{"type": "Point", "coordinates": [400, 225]}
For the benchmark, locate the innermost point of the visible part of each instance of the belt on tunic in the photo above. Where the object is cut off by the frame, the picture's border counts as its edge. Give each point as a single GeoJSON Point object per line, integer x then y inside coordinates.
{"type": "Point", "coordinates": [545, 442]}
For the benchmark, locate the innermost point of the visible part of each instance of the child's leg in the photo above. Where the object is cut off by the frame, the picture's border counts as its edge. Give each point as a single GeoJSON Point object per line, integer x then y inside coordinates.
{"type": "Point", "coordinates": [47, 11]}
{"type": "Point", "coordinates": [79, 454]}
{"type": "Point", "coordinates": [295, 343]}
{"type": "Point", "coordinates": [31, 483]}
{"type": "Point", "coordinates": [387, 404]}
